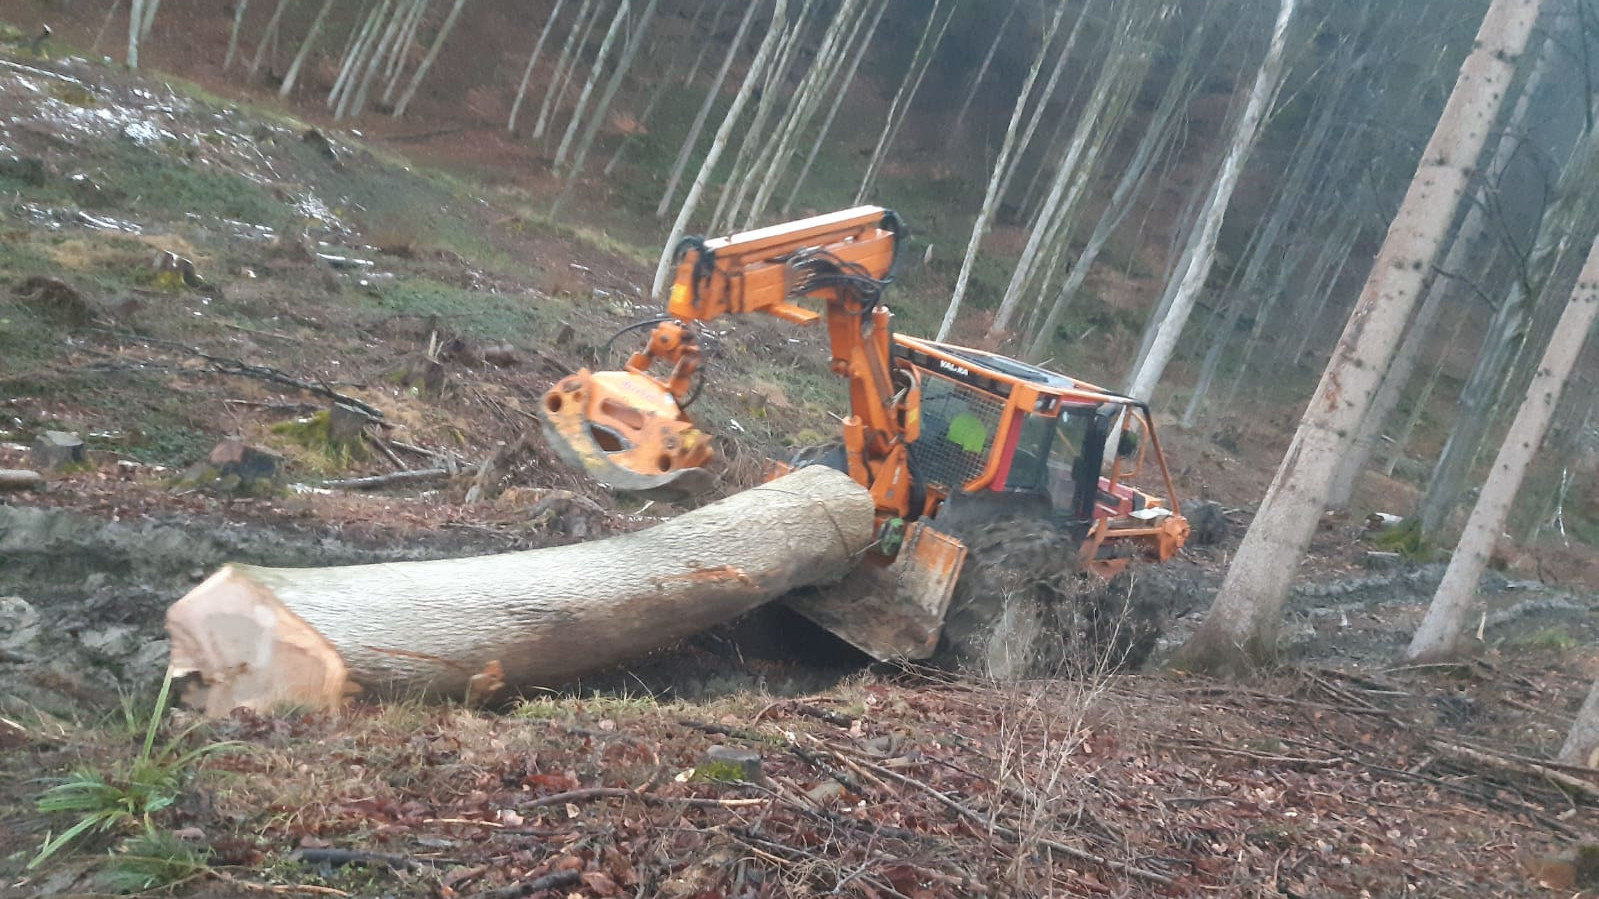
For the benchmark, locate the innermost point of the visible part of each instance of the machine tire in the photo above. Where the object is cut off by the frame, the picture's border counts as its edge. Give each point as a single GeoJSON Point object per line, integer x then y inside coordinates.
{"type": "Point", "coordinates": [1023, 607]}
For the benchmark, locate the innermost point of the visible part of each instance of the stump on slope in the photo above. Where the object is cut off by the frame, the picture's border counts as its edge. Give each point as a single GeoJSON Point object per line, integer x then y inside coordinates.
{"type": "Point", "coordinates": [263, 636]}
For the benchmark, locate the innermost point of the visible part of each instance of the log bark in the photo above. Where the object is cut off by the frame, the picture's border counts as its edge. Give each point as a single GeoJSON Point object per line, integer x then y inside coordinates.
{"type": "Point", "coordinates": [20, 479]}
{"type": "Point", "coordinates": [260, 637]}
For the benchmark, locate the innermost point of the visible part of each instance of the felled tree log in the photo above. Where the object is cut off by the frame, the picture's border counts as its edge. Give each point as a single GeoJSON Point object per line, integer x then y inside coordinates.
{"type": "Point", "coordinates": [309, 636]}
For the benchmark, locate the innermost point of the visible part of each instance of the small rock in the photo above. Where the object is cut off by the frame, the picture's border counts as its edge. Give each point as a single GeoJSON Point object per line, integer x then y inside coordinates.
{"type": "Point", "coordinates": [56, 450]}
{"type": "Point", "coordinates": [748, 760]}
{"type": "Point", "coordinates": [504, 355]}
{"type": "Point", "coordinates": [19, 622]}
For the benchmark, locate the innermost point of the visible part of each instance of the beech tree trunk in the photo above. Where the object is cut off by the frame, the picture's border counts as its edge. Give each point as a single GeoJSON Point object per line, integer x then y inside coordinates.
{"type": "Point", "coordinates": [598, 66]}
{"type": "Point", "coordinates": [135, 31]}
{"type": "Point", "coordinates": [774, 32]}
{"type": "Point", "coordinates": [1439, 634]}
{"type": "Point", "coordinates": [533, 60]}
{"type": "Point", "coordinates": [260, 637]}
{"type": "Point", "coordinates": [686, 152]}
{"type": "Point", "coordinates": [268, 36]}
{"type": "Point", "coordinates": [982, 69]}
{"type": "Point", "coordinates": [908, 88]}
{"type": "Point", "coordinates": [1462, 251]}
{"type": "Point", "coordinates": [1241, 627]}
{"type": "Point", "coordinates": [305, 50]}
{"type": "Point", "coordinates": [571, 49]}
{"type": "Point", "coordinates": [1192, 277]}
{"type": "Point", "coordinates": [233, 36]}
{"type": "Point", "coordinates": [1007, 148]}
{"type": "Point", "coordinates": [427, 61]}
{"type": "Point", "coordinates": [1582, 744]}
{"type": "Point", "coordinates": [856, 52]}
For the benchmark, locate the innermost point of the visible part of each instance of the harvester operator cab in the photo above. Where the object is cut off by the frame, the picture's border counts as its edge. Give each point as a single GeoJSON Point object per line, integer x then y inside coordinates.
{"type": "Point", "coordinates": [995, 431]}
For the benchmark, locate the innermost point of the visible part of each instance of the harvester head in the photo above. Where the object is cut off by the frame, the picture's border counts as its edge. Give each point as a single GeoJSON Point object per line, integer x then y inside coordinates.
{"type": "Point", "coordinates": [624, 430]}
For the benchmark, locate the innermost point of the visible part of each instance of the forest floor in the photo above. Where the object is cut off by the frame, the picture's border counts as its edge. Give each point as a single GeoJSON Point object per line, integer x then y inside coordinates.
{"type": "Point", "coordinates": [448, 308]}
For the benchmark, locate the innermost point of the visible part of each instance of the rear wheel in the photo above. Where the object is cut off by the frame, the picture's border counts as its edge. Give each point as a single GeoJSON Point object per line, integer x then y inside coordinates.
{"type": "Point", "coordinates": [1024, 607]}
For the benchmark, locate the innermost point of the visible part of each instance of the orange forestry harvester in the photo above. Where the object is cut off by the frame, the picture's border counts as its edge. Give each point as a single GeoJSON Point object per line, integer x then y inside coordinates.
{"type": "Point", "coordinates": [949, 440]}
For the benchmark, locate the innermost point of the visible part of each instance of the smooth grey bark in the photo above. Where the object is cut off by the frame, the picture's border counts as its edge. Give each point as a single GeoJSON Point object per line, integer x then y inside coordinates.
{"type": "Point", "coordinates": [533, 60]}
{"type": "Point", "coordinates": [395, 71]}
{"type": "Point", "coordinates": [268, 35]}
{"type": "Point", "coordinates": [578, 111]}
{"type": "Point", "coordinates": [990, 205]}
{"type": "Point", "coordinates": [427, 61]}
{"type": "Point", "coordinates": [1582, 742]}
{"type": "Point", "coordinates": [754, 138]}
{"type": "Point", "coordinates": [1191, 279]}
{"type": "Point", "coordinates": [1159, 134]}
{"type": "Point", "coordinates": [686, 152]}
{"type": "Point", "coordinates": [856, 53]}
{"type": "Point", "coordinates": [566, 66]}
{"type": "Point", "coordinates": [1440, 632]}
{"type": "Point", "coordinates": [233, 35]}
{"type": "Point", "coordinates": [148, 22]}
{"type": "Point", "coordinates": [770, 171]}
{"type": "Point", "coordinates": [305, 50]}
{"type": "Point", "coordinates": [1241, 626]}
{"type": "Point", "coordinates": [260, 637]}
{"type": "Point", "coordinates": [361, 61]}
{"type": "Point", "coordinates": [982, 69]}
{"type": "Point", "coordinates": [387, 46]}
{"type": "Point", "coordinates": [1046, 96]}
{"type": "Point", "coordinates": [718, 143]}
{"type": "Point", "coordinates": [1462, 250]}
{"type": "Point", "coordinates": [135, 23]}
{"type": "Point", "coordinates": [353, 56]}
{"type": "Point", "coordinates": [908, 87]}
{"type": "Point", "coordinates": [1573, 204]}
{"type": "Point", "coordinates": [603, 106]}
{"type": "Point", "coordinates": [1118, 73]}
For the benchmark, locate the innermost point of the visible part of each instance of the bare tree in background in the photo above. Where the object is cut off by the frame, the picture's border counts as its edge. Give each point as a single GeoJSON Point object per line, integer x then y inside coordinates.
{"type": "Point", "coordinates": [598, 66]}
{"type": "Point", "coordinates": [269, 36]}
{"type": "Point", "coordinates": [1007, 148]}
{"type": "Point", "coordinates": [428, 60]}
{"type": "Point", "coordinates": [1439, 635]}
{"type": "Point", "coordinates": [982, 68]}
{"type": "Point", "coordinates": [899, 110]}
{"type": "Point", "coordinates": [566, 62]}
{"type": "Point", "coordinates": [239, 9]}
{"type": "Point", "coordinates": [718, 143]}
{"type": "Point", "coordinates": [855, 53]}
{"type": "Point", "coordinates": [686, 151]}
{"type": "Point", "coordinates": [311, 35]}
{"type": "Point", "coordinates": [533, 60]}
{"type": "Point", "coordinates": [136, 30]}
{"type": "Point", "coordinates": [1241, 626]}
{"type": "Point", "coordinates": [1201, 254]}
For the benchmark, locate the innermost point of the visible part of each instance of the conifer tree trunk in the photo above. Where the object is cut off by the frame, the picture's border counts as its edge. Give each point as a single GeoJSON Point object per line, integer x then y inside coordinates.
{"type": "Point", "coordinates": [718, 144]}
{"type": "Point", "coordinates": [1440, 632]}
{"type": "Point", "coordinates": [1241, 627]}
{"type": "Point", "coordinates": [1007, 148]}
{"type": "Point", "coordinates": [686, 152]}
{"type": "Point", "coordinates": [305, 50]}
{"type": "Point", "coordinates": [427, 61]}
{"type": "Point", "coordinates": [1191, 279]}
{"type": "Point", "coordinates": [533, 60]}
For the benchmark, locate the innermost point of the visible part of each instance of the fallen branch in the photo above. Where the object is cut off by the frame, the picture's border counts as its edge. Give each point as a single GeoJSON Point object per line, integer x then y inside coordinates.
{"type": "Point", "coordinates": [20, 479]}
{"type": "Point", "coordinates": [1532, 769]}
{"type": "Point", "coordinates": [394, 479]}
{"type": "Point", "coordinates": [340, 857]}
{"type": "Point", "coordinates": [226, 366]}
{"type": "Point", "coordinates": [646, 798]}
{"type": "Point", "coordinates": [1288, 760]}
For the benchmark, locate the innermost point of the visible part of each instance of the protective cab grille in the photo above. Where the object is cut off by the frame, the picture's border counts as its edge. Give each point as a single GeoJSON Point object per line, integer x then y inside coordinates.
{"type": "Point", "coordinates": [943, 463]}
